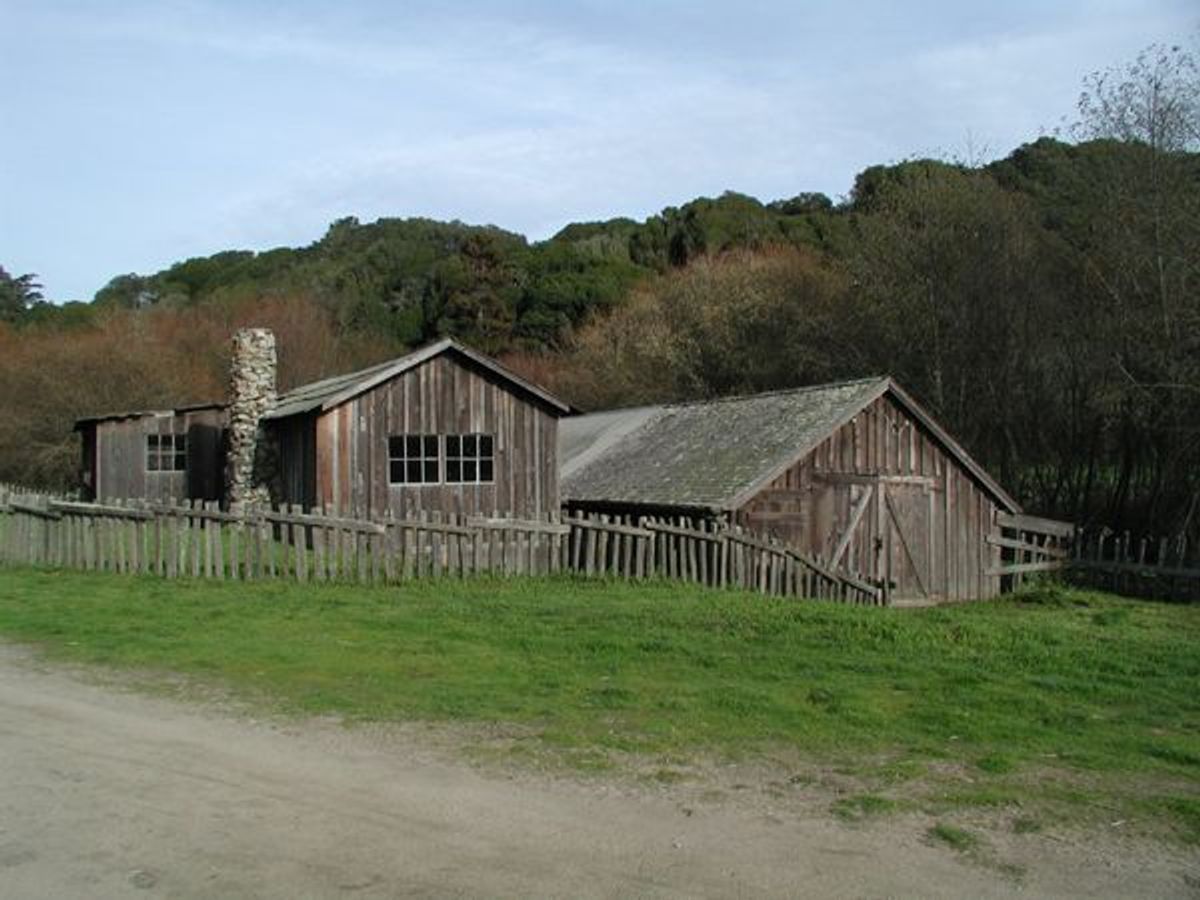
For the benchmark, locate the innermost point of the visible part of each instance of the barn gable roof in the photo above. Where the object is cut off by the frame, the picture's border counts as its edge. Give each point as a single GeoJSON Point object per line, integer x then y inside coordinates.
{"type": "Point", "coordinates": [323, 395]}
{"type": "Point", "coordinates": [717, 454]}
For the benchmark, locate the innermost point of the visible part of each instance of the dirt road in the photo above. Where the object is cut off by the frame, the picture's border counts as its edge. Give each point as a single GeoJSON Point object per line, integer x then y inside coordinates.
{"type": "Point", "coordinates": [106, 792]}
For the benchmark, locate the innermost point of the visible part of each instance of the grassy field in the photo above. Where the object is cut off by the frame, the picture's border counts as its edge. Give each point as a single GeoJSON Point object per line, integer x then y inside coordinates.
{"type": "Point", "coordinates": [1054, 702]}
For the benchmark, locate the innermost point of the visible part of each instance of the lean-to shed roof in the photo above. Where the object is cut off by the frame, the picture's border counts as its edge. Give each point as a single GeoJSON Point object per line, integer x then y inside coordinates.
{"type": "Point", "coordinates": [330, 392]}
{"type": "Point", "coordinates": [144, 413]}
{"type": "Point", "coordinates": [716, 454]}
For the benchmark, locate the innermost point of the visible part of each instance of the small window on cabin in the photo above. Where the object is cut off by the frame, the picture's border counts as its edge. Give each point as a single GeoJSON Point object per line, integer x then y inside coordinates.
{"type": "Point", "coordinates": [470, 459]}
{"type": "Point", "coordinates": [166, 453]}
{"type": "Point", "coordinates": [413, 459]}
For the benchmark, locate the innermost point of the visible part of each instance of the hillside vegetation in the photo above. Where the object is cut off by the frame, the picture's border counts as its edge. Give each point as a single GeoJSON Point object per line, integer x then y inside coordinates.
{"type": "Point", "coordinates": [1046, 306]}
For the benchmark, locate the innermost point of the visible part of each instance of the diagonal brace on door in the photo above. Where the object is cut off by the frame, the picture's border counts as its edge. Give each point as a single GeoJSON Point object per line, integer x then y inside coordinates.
{"type": "Point", "coordinates": [904, 543]}
{"type": "Point", "coordinates": [856, 515]}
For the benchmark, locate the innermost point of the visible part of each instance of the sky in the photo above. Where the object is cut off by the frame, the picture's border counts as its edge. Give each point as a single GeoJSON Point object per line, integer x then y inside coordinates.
{"type": "Point", "coordinates": [134, 135]}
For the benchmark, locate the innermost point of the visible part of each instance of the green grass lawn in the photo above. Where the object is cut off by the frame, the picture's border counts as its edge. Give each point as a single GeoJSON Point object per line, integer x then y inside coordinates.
{"type": "Point", "coordinates": [1051, 697]}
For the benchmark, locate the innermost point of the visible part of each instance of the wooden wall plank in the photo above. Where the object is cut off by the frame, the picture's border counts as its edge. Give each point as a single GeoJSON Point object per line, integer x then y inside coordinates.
{"type": "Point", "coordinates": [441, 396]}
{"type": "Point", "coordinates": [884, 440]}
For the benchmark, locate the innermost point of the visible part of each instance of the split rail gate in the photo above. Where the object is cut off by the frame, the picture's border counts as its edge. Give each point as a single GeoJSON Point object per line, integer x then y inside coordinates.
{"type": "Point", "coordinates": [1031, 545]}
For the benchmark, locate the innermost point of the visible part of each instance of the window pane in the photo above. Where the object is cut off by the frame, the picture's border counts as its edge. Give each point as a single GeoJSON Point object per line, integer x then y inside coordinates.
{"type": "Point", "coordinates": [152, 462]}
{"type": "Point", "coordinates": [152, 440]}
{"type": "Point", "coordinates": [485, 470]}
{"type": "Point", "coordinates": [180, 443]}
{"type": "Point", "coordinates": [180, 462]}
{"type": "Point", "coordinates": [395, 446]}
{"type": "Point", "coordinates": [453, 471]}
{"type": "Point", "coordinates": [469, 470]}
{"type": "Point", "coordinates": [431, 445]}
{"type": "Point", "coordinates": [396, 472]}
{"type": "Point", "coordinates": [469, 445]}
{"type": "Point", "coordinates": [413, 470]}
{"type": "Point", "coordinates": [453, 445]}
{"type": "Point", "coordinates": [431, 471]}
{"type": "Point", "coordinates": [412, 444]}
{"type": "Point", "coordinates": [485, 445]}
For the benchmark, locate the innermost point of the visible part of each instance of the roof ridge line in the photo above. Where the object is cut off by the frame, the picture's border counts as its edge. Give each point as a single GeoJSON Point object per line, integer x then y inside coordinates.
{"type": "Point", "coordinates": [733, 398]}
{"type": "Point", "coordinates": [730, 398]}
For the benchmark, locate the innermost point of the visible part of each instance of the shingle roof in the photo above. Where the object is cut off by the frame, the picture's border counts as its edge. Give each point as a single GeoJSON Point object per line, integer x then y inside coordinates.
{"type": "Point", "coordinates": [308, 397]}
{"type": "Point", "coordinates": [582, 439]}
{"type": "Point", "coordinates": [330, 392]}
{"type": "Point", "coordinates": [713, 454]}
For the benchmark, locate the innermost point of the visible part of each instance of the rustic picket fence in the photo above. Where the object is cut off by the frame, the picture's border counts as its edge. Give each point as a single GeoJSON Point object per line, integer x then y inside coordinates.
{"type": "Point", "coordinates": [1161, 568]}
{"type": "Point", "coordinates": [201, 540]}
{"type": "Point", "coordinates": [1157, 568]}
{"type": "Point", "coordinates": [706, 552]}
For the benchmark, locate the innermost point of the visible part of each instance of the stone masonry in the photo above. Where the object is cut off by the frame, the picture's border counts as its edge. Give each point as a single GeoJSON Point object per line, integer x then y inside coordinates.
{"type": "Point", "coordinates": [252, 393]}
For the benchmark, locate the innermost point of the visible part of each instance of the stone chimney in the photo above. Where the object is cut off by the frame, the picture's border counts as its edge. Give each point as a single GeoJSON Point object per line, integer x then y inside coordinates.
{"type": "Point", "coordinates": [251, 396]}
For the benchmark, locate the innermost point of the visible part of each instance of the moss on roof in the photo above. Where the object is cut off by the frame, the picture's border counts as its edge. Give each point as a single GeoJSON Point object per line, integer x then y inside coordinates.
{"type": "Point", "coordinates": [702, 455]}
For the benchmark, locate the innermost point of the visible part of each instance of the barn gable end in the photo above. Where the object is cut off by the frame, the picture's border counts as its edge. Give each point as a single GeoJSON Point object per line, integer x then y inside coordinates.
{"type": "Point", "coordinates": [333, 437]}
{"type": "Point", "coordinates": [925, 515]}
{"type": "Point", "coordinates": [856, 473]}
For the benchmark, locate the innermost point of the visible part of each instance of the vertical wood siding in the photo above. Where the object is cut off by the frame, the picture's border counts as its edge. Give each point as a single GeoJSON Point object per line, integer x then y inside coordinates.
{"type": "Point", "coordinates": [441, 396]}
{"type": "Point", "coordinates": [946, 520]}
{"type": "Point", "coordinates": [119, 451]}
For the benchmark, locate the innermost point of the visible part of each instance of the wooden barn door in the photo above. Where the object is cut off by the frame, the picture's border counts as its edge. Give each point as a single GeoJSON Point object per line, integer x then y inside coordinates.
{"type": "Point", "coordinates": [910, 538]}
{"type": "Point", "coordinates": [884, 528]}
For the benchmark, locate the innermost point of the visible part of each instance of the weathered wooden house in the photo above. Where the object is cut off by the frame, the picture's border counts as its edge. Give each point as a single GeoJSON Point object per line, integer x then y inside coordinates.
{"type": "Point", "coordinates": [155, 455]}
{"type": "Point", "coordinates": [857, 473]}
{"type": "Point", "coordinates": [443, 429]}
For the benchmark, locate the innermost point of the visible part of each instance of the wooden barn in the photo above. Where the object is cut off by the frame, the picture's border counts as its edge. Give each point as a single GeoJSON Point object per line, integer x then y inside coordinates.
{"type": "Point", "coordinates": [856, 472]}
{"type": "Point", "coordinates": [155, 455]}
{"type": "Point", "coordinates": [443, 429]}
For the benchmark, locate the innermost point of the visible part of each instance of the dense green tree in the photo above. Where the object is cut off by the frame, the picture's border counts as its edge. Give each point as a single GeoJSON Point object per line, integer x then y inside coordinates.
{"type": "Point", "coordinates": [17, 295]}
{"type": "Point", "coordinates": [131, 291]}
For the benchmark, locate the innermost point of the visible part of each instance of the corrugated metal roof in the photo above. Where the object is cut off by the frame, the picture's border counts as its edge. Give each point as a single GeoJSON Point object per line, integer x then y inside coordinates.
{"type": "Point", "coordinates": [331, 392]}
{"type": "Point", "coordinates": [702, 455]}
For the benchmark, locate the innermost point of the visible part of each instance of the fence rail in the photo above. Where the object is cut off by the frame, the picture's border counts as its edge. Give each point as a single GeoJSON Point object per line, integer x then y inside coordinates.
{"type": "Point", "coordinates": [1030, 545]}
{"type": "Point", "coordinates": [1159, 567]}
{"type": "Point", "coordinates": [201, 540]}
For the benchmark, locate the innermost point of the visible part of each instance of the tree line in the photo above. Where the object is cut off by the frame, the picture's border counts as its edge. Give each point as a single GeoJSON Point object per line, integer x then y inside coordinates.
{"type": "Point", "coordinates": [1045, 306]}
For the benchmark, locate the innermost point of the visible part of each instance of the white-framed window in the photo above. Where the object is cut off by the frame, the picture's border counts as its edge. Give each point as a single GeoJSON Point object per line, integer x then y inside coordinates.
{"type": "Point", "coordinates": [470, 459]}
{"type": "Point", "coordinates": [413, 459]}
{"type": "Point", "coordinates": [166, 453]}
